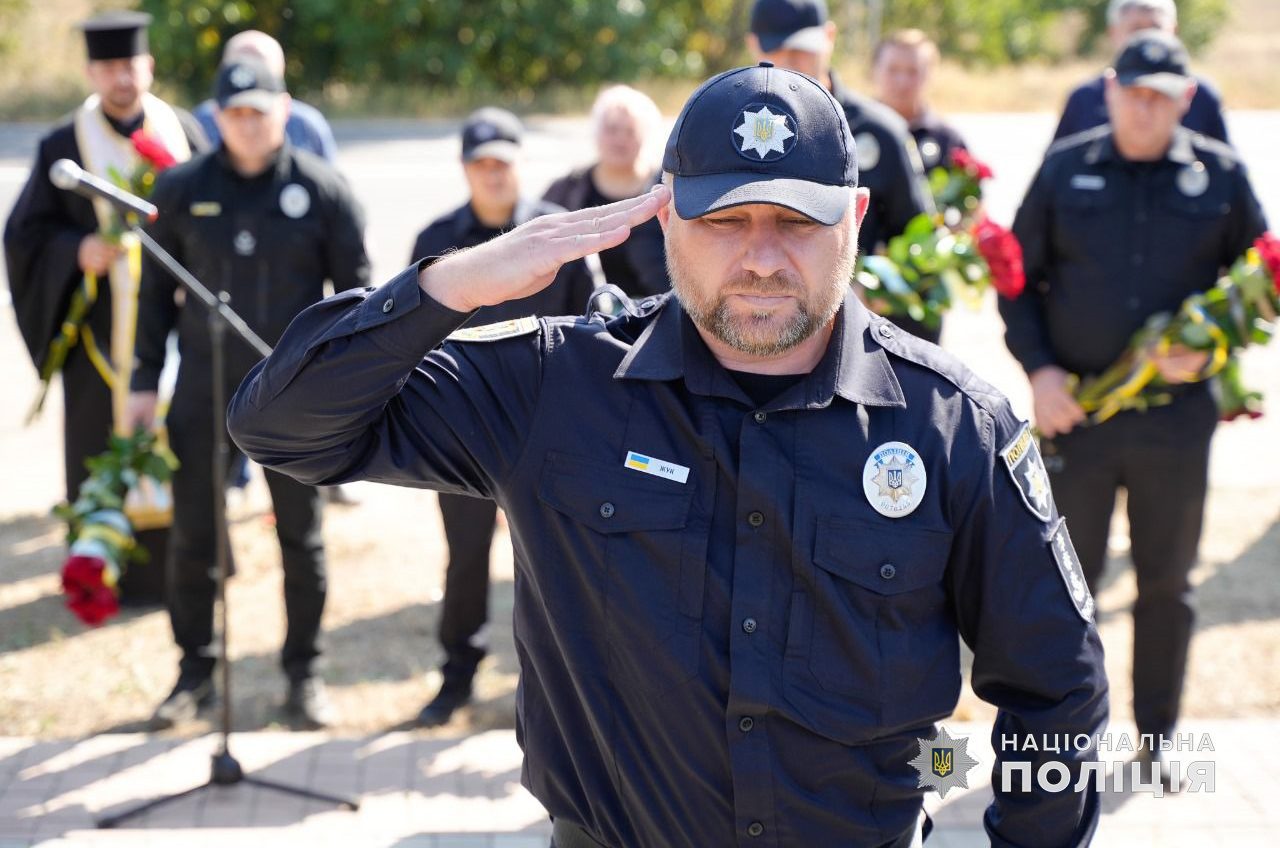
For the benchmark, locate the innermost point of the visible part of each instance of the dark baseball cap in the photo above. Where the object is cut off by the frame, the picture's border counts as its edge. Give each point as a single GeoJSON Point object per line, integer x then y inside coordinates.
{"type": "Point", "coordinates": [491, 133]}
{"type": "Point", "coordinates": [1154, 59]}
{"type": "Point", "coordinates": [790, 24]}
{"type": "Point", "coordinates": [762, 135]}
{"type": "Point", "coordinates": [248, 82]}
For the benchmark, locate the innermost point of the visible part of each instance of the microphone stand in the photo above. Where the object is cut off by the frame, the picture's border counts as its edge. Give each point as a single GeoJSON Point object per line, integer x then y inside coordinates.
{"type": "Point", "coordinates": [226, 769]}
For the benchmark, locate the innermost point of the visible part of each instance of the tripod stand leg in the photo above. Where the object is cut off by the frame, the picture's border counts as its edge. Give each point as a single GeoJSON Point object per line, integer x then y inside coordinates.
{"type": "Point", "coordinates": [110, 822]}
{"type": "Point", "coordinates": [349, 803]}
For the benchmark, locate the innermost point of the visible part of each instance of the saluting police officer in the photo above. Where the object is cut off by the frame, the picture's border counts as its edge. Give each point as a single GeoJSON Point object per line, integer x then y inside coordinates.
{"type": "Point", "coordinates": [751, 521]}
{"type": "Point", "coordinates": [491, 145]}
{"type": "Point", "coordinates": [1120, 223]}
{"type": "Point", "coordinates": [267, 226]}
{"type": "Point", "coordinates": [796, 34]}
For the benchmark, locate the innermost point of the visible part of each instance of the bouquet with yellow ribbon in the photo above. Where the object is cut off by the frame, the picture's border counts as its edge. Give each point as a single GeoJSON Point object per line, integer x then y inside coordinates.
{"type": "Point", "coordinates": [99, 534]}
{"type": "Point", "coordinates": [1240, 310]}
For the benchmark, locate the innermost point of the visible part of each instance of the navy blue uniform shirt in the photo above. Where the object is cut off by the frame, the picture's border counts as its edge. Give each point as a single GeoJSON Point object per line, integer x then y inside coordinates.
{"type": "Point", "coordinates": [1107, 243]}
{"type": "Point", "coordinates": [1087, 108]}
{"type": "Point", "coordinates": [744, 653]}
{"type": "Point", "coordinates": [935, 139]}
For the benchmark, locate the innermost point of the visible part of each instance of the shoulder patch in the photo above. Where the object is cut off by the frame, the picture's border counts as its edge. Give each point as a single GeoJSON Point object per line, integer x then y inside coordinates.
{"type": "Point", "coordinates": [1022, 460]}
{"type": "Point", "coordinates": [494, 332]}
{"type": "Point", "coordinates": [1064, 554]}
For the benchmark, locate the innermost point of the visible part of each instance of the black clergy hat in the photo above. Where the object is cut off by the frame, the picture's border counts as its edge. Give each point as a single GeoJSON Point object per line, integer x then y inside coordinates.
{"type": "Point", "coordinates": [116, 35]}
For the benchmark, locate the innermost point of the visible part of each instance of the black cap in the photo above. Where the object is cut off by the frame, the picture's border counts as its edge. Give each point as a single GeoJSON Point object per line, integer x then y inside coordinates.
{"type": "Point", "coordinates": [1154, 59]}
{"type": "Point", "coordinates": [491, 133]}
{"type": "Point", "coordinates": [116, 35]}
{"type": "Point", "coordinates": [762, 135]}
{"type": "Point", "coordinates": [790, 24]}
{"type": "Point", "coordinates": [248, 82]}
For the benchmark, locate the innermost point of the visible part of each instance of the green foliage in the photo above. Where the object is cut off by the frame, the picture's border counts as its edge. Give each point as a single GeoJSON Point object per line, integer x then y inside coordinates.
{"type": "Point", "coordinates": [513, 46]}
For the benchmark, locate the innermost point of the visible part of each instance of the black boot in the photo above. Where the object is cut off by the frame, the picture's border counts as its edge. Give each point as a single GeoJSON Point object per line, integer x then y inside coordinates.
{"type": "Point", "coordinates": [454, 692]}
{"type": "Point", "coordinates": [190, 694]}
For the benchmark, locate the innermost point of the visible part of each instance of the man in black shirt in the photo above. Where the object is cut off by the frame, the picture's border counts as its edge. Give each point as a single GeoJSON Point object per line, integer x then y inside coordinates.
{"type": "Point", "coordinates": [1120, 223]}
{"type": "Point", "coordinates": [900, 70]}
{"type": "Point", "coordinates": [266, 226]}
{"type": "Point", "coordinates": [490, 160]}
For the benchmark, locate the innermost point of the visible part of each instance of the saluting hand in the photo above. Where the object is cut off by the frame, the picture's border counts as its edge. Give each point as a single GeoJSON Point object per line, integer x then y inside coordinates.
{"type": "Point", "coordinates": [525, 260]}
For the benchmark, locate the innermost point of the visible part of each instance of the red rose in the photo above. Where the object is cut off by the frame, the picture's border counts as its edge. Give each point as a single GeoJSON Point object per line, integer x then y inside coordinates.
{"type": "Point", "coordinates": [1003, 254]}
{"type": "Point", "coordinates": [967, 162]}
{"type": "Point", "coordinates": [1268, 247]}
{"type": "Point", "coordinates": [152, 150]}
{"type": "Point", "coordinates": [88, 596]}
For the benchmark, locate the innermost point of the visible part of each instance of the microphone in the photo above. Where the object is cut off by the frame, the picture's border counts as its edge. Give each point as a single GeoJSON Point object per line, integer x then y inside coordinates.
{"type": "Point", "coordinates": [69, 176]}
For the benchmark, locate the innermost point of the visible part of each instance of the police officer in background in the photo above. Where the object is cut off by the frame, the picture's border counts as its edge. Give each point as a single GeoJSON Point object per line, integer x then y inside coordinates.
{"type": "Point", "coordinates": [1120, 223]}
{"type": "Point", "coordinates": [900, 71]}
{"type": "Point", "coordinates": [1086, 106]}
{"type": "Point", "coordinates": [267, 225]}
{"type": "Point", "coordinates": [797, 35]}
{"type": "Point", "coordinates": [491, 141]}
{"type": "Point", "coordinates": [751, 521]}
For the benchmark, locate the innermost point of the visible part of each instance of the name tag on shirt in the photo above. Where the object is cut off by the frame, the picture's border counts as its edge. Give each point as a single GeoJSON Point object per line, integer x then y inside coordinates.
{"type": "Point", "coordinates": [1089, 182]}
{"type": "Point", "coordinates": [207, 209]}
{"type": "Point", "coordinates": [656, 467]}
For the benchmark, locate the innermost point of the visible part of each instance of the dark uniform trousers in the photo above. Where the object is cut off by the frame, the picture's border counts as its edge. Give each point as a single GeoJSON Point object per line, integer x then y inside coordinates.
{"type": "Point", "coordinates": [1161, 458]}
{"type": "Point", "coordinates": [468, 528]}
{"type": "Point", "coordinates": [298, 511]}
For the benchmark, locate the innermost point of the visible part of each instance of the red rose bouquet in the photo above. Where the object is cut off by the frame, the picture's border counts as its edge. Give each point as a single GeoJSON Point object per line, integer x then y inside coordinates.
{"type": "Point", "coordinates": [1238, 311]}
{"type": "Point", "coordinates": [99, 534]}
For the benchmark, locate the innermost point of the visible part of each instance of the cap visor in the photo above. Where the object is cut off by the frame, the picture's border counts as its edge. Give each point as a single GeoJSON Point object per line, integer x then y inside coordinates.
{"type": "Point", "coordinates": [1170, 85]}
{"type": "Point", "coordinates": [809, 39]}
{"type": "Point", "coordinates": [263, 101]}
{"type": "Point", "coordinates": [699, 195]}
{"type": "Point", "coordinates": [503, 151]}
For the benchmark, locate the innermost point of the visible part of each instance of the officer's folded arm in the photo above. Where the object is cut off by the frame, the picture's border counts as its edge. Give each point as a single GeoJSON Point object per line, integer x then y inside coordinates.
{"type": "Point", "coordinates": [359, 386]}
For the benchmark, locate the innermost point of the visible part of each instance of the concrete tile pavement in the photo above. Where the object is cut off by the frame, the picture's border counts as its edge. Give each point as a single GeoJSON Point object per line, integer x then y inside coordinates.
{"type": "Point", "coordinates": [464, 792]}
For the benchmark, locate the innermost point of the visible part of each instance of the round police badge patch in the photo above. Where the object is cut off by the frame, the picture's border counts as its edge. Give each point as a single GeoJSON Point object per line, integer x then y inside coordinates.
{"type": "Point", "coordinates": [894, 479]}
{"type": "Point", "coordinates": [764, 133]}
{"type": "Point", "coordinates": [1193, 180]}
{"type": "Point", "coordinates": [242, 77]}
{"type": "Point", "coordinates": [930, 153]}
{"type": "Point", "coordinates": [245, 243]}
{"type": "Point", "coordinates": [294, 200]}
{"type": "Point", "coordinates": [868, 151]}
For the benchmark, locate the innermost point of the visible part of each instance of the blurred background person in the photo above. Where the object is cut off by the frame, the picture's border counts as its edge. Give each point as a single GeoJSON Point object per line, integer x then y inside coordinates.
{"type": "Point", "coordinates": [901, 68]}
{"type": "Point", "coordinates": [491, 152]}
{"type": "Point", "coordinates": [306, 128]}
{"type": "Point", "coordinates": [1086, 105]}
{"type": "Point", "coordinates": [626, 122]}
{"type": "Point", "coordinates": [266, 226]}
{"type": "Point", "coordinates": [797, 35]}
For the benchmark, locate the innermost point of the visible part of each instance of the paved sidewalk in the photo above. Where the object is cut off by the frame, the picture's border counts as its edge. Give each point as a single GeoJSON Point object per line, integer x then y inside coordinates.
{"type": "Point", "coordinates": [420, 792]}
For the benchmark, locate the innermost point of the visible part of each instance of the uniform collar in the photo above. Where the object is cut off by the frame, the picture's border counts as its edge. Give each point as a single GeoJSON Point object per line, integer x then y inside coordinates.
{"type": "Point", "coordinates": [1103, 148]}
{"type": "Point", "coordinates": [854, 367]}
{"type": "Point", "coordinates": [465, 221]}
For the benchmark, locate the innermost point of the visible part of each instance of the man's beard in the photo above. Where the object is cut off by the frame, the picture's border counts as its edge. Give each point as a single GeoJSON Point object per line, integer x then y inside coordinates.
{"type": "Point", "coordinates": [762, 333]}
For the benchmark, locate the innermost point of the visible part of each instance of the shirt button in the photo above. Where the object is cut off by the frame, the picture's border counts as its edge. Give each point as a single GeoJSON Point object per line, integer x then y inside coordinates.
{"type": "Point", "coordinates": [886, 332]}
{"type": "Point", "coordinates": [748, 625]}
{"type": "Point", "coordinates": [746, 723]}
{"type": "Point", "coordinates": [888, 571]}
{"type": "Point", "coordinates": [755, 829]}
{"type": "Point", "coordinates": [388, 305]}
{"type": "Point", "coordinates": [760, 417]}
{"type": "Point", "coordinates": [606, 510]}
{"type": "Point", "coordinates": [756, 518]}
